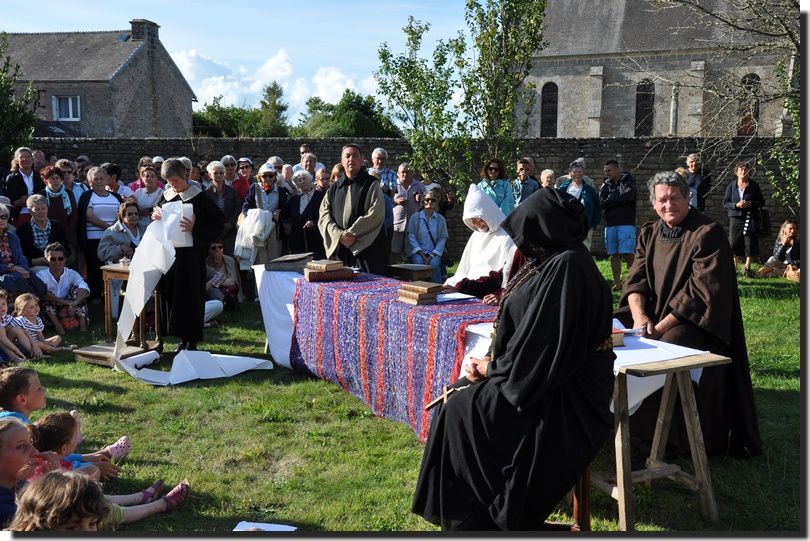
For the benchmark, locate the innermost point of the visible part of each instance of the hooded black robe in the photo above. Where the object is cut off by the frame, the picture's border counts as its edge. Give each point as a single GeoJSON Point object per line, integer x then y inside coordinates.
{"type": "Point", "coordinates": [503, 452]}
{"type": "Point", "coordinates": [688, 270]}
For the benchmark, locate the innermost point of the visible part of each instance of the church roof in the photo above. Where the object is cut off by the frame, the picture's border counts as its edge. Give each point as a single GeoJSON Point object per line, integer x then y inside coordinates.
{"type": "Point", "coordinates": [597, 27]}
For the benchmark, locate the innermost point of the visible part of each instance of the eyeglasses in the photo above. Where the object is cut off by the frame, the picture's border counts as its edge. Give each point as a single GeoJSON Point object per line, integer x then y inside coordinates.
{"type": "Point", "coordinates": [3, 216]}
{"type": "Point", "coordinates": [429, 200]}
{"type": "Point", "coordinates": [268, 175]}
{"type": "Point", "coordinates": [132, 214]}
{"type": "Point", "coordinates": [217, 247]}
{"type": "Point", "coordinates": [493, 169]}
{"type": "Point", "coordinates": [244, 167]}
{"type": "Point", "coordinates": [57, 258]}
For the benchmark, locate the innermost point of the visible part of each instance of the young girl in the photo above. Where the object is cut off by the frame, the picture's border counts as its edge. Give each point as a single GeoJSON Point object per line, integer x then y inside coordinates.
{"type": "Point", "coordinates": [21, 393]}
{"type": "Point", "coordinates": [60, 501]}
{"type": "Point", "coordinates": [26, 312]}
{"type": "Point", "coordinates": [8, 334]}
{"type": "Point", "coordinates": [18, 459]}
{"type": "Point", "coordinates": [59, 432]}
{"type": "Point", "coordinates": [64, 501]}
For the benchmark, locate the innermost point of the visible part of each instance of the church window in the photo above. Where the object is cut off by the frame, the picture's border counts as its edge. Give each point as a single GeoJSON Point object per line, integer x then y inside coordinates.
{"type": "Point", "coordinates": [749, 104]}
{"type": "Point", "coordinates": [645, 108]}
{"type": "Point", "coordinates": [548, 110]}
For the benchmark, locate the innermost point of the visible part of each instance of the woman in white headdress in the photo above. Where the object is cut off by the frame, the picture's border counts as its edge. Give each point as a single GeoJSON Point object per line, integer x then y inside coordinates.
{"type": "Point", "coordinates": [489, 252]}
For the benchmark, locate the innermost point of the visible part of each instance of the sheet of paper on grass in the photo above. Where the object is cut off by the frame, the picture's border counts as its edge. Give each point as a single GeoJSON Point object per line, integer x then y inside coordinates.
{"type": "Point", "coordinates": [191, 365]}
{"type": "Point", "coordinates": [263, 526]}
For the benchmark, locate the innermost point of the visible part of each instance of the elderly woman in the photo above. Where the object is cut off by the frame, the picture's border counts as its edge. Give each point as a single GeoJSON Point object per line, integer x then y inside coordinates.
{"type": "Point", "coordinates": [682, 289]}
{"type": "Point", "coordinates": [122, 237]}
{"type": "Point", "coordinates": [427, 235]}
{"type": "Point", "coordinates": [60, 202]}
{"type": "Point", "coordinates": [223, 280]}
{"type": "Point", "coordinates": [69, 172]}
{"type": "Point", "coordinates": [98, 210]}
{"type": "Point", "coordinates": [182, 288]}
{"type": "Point", "coordinates": [743, 200]}
{"type": "Point", "coordinates": [244, 170]}
{"type": "Point", "coordinates": [39, 232]}
{"type": "Point", "coordinates": [226, 199]}
{"type": "Point", "coordinates": [527, 420]}
{"type": "Point", "coordinates": [147, 195]}
{"type": "Point", "coordinates": [24, 181]}
{"type": "Point", "coordinates": [495, 184]}
{"type": "Point", "coordinates": [266, 195]}
{"type": "Point", "coordinates": [15, 276]}
{"type": "Point", "coordinates": [576, 187]}
{"type": "Point", "coordinates": [302, 213]}
{"type": "Point", "coordinates": [64, 302]}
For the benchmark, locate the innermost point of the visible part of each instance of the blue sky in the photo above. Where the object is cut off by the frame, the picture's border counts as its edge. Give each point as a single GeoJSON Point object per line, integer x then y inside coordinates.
{"type": "Point", "coordinates": [234, 48]}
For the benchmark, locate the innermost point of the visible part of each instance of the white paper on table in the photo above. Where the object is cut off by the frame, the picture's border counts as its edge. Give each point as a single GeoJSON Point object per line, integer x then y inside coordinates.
{"type": "Point", "coordinates": [263, 526]}
{"type": "Point", "coordinates": [171, 213]}
{"type": "Point", "coordinates": [153, 258]}
{"type": "Point", "coordinates": [455, 296]}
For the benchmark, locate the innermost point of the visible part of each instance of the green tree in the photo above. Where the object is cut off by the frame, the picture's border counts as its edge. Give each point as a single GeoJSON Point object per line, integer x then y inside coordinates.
{"type": "Point", "coordinates": [420, 94]}
{"type": "Point", "coordinates": [504, 35]}
{"type": "Point", "coordinates": [217, 120]}
{"type": "Point", "coordinates": [273, 112]}
{"type": "Point", "coordinates": [17, 114]}
{"type": "Point", "coordinates": [784, 169]}
{"type": "Point", "coordinates": [353, 116]}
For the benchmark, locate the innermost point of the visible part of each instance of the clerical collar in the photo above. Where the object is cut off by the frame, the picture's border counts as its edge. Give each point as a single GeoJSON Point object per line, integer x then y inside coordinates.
{"type": "Point", "coordinates": [185, 195]}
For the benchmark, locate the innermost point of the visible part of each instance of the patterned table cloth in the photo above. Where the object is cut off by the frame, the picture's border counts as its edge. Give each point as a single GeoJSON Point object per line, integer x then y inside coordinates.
{"type": "Point", "coordinates": [396, 357]}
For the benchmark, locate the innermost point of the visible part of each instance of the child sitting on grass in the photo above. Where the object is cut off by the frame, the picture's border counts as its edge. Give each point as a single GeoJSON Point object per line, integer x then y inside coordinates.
{"type": "Point", "coordinates": [65, 501]}
{"type": "Point", "coordinates": [9, 351]}
{"type": "Point", "coordinates": [21, 393]}
{"type": "Point", "coordinates": [18, 459]}
{"type": "Point", "coordinates": [26, 312]}
{"type": "Point", "coordinates": [59, 432]}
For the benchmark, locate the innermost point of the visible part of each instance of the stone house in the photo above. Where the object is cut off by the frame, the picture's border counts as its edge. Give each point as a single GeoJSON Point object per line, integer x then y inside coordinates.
{"type": "Point", "coordinates": [625, 69]}
{"type": "Point", "coordinates": [104, 84]}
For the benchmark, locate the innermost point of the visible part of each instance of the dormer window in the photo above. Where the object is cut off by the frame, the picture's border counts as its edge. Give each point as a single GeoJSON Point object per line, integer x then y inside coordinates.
{"type": "Point", "coordinates": [66, 108]}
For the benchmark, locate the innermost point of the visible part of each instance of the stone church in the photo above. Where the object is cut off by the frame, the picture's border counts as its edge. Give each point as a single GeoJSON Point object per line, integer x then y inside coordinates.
{"type": "Point", "coordinates": [622, 68]}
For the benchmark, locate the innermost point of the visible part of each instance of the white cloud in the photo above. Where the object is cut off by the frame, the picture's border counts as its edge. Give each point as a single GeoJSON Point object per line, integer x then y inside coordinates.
{"type": "Point", "coordinates": [277, 68]}
{"type": "Point", "coordinates": [196, 67]}
{"type": "Point", "coordinates": [330, 82]}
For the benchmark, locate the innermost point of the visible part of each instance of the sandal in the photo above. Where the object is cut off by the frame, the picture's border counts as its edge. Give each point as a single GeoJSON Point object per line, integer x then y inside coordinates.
{"type": "Point", "coordinates": [176, 496]}
{"type": "Point", "coordinates": [120, 449]}
{"type": "Point", "coordinates": [151, 493]}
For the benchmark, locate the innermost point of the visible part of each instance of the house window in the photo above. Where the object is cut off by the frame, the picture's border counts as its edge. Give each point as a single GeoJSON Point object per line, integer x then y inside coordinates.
{"type": "Point", "coordinates": [548, 110]}
{"type": "Point", "coordinates": [645, 108]}
{"type": "Point", "coordinates": [749, 104]}
{"type": "Point", "coordinates": [66, 108]}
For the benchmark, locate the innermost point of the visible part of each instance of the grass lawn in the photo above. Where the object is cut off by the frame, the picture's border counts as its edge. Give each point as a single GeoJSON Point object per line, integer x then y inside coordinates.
{"type": "Point", "coordinates": [275, 446]}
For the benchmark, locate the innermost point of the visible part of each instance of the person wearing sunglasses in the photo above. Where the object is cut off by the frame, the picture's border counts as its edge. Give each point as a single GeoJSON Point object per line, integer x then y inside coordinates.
{"type": "Point", "coordinates": [265, 195]}
{"type": "Point", "coordinates": [64, 301]}
{"type": "Point", "coordinates": [120, 241]}
{"type": "Point", "coordinates": [495, 184]}
{"type": "Point", "coordinates": [244, 170]}
{"type": "Point", "coordinates": [427, 235]}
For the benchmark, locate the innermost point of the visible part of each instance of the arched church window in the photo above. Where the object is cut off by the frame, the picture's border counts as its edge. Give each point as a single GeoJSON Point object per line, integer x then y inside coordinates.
{"type": "Point", "coordinates": [548, 110]}
{"type": "Point", "coordinates": [749, 104]}
{"type": "Point", "coordinates": [645, 108]}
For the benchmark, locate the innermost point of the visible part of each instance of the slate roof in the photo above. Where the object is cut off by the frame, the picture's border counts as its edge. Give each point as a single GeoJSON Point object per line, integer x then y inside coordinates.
{"type": "Point", "coordinates": [596, 27]}
{"type": "Point", "coordinates": [71, 56]}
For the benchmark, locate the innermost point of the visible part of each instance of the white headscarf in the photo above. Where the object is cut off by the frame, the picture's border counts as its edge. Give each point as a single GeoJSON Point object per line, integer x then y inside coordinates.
{"type": "Point", "coordinates": [485, 251]}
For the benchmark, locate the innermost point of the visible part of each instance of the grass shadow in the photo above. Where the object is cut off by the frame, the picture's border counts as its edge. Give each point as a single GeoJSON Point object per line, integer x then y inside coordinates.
{"type": "Point", "coordinates": [769, 288]}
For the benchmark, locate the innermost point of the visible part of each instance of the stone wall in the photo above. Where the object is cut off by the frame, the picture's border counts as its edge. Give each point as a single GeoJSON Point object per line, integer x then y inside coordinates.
{"type": "Point", "coordinates": [641, 157]}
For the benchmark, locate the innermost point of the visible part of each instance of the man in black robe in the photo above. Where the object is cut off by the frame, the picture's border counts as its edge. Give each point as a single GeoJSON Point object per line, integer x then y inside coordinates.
{"type": "Point", "coordinates": [682, 288]}
{"type": "Point", "coordinates": [504, 451]}
{"type": "Point", "coordinates": [352, 215]}
{"type": "Point", "coordinates": [182, 289]}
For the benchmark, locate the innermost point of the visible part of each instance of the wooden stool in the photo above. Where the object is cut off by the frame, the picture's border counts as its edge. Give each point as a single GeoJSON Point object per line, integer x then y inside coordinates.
{"type": "Point", "coordinates": [411, 272]}
{"type": "Point", "coordinates": [582, 508]}
{"type": "Point", "coordinates": [677, 379]}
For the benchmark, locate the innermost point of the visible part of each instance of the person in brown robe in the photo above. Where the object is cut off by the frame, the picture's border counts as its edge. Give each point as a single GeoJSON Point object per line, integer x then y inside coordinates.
{"type": "Point", "coordinates": [682, 288]}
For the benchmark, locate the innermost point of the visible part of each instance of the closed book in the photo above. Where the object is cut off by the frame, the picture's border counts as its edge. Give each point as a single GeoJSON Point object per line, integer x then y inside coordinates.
{"type": "Point", "coordinates": [324, 265]}
{"type": "Point", "coordinates": [422, 287]}
{"type": "Point", "coordinates": [409, 300]}
{"type": "Point", "coordinates": [344, 273]}
{"type": "Point", "coordinates": [289, 263]}
{"type": "Point", "coordinates": [416, 296]}
{"type": "Point", "coordinates": [618, 337]}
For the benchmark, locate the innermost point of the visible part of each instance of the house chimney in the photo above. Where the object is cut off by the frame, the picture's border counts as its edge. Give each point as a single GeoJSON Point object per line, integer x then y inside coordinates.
{"type": "Point", "coordinates": [143, 30]}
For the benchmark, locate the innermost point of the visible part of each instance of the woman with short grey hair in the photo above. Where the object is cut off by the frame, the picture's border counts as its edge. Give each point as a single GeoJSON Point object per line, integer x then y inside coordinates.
{"type": "Point", "coordinates": [226, 199]}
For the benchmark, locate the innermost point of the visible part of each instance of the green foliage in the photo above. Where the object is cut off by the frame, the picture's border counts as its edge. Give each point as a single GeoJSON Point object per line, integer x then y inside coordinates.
{"type": "Point", "coordinates": [353, 116]}
{"type": "Point", "coordinates": [17, 114]}
{"type": "Point", "coordinates": [505, 36]}
{"type": "Point", "coordinates": [786, 151]}
{"type": "Point", "coordinates": [217, 120]}
{"type": "Point", "coordinates": [420, 95]}
{"type": "Point", "coordinates": [273, 113]}
{"type": "Point", "coordinates": [471, 87]}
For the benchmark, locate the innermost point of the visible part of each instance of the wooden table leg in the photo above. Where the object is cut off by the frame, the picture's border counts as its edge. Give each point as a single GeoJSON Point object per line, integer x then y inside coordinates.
{"type": "Point", "coordinates": [697, 447]}
{"type": "Point", "coordinates": [662, 424]}
{"type": "Point", "coordinates": [158, 338]}
{"type": "Point", "coordinates": [142, 328]}
{"type": "Point", "coordinates": [107, 309]}
{"type": "Point", "coordinates": [624, 483]}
